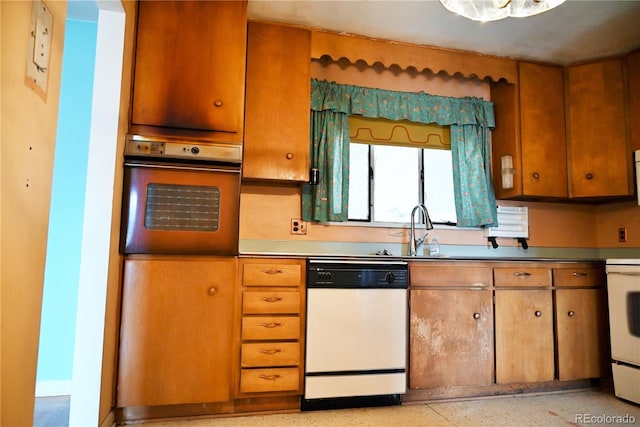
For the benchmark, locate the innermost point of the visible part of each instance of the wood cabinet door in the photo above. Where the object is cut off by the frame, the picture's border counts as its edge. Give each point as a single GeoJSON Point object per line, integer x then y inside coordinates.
{"type": "Point", "coordinates": [581, 328]}
{"type": "Point", "coordinates": [451, 338]}
{"type": "Point", "coordinates": [542, 130]}
{"type": "Point", "coordinates": [176, 332]}
{"type": "Point", "coordinates": [190, 65]}
{"type": "Point", "coordinates": [276, 144]}
{"type": "Point", "coordinates": [524, 336]}
{"type": "Point", "coordinates": [600, 161]}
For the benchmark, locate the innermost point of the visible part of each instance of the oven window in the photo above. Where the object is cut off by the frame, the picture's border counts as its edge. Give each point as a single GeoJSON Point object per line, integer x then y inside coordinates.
{"type": "Point", "coordinates": [182, 207]}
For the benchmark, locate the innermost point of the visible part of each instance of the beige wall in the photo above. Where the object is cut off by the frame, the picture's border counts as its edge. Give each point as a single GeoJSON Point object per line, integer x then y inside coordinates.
{"type": "Point", "coordinates": [27, 142]}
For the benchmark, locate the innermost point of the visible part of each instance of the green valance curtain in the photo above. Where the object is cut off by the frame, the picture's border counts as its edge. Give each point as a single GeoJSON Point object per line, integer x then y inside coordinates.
{"type": "Point", "coordinates": [470, 120]}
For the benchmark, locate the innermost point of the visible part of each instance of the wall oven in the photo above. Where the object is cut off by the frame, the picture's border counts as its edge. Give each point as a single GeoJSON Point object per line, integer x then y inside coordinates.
{"type": "Point", "coordinates": [180, 197]}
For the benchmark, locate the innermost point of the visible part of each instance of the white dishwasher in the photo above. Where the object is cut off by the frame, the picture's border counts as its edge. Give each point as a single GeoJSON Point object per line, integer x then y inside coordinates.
{"type": "Point", "coordinates": [623, 290]}
{"type": "Point", "coordinates": [356, 338]}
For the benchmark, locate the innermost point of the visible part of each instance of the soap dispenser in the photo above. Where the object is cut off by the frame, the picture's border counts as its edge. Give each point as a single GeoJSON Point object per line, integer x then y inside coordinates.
{"type": "Point", "coordinates": [434, 248]}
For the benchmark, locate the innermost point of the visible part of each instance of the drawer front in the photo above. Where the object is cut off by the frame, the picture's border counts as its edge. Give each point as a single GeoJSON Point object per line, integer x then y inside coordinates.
{"type": "Point", "coordinates": [425, 275]}
{"type": "Point", "coordinates": [270, 354]}
{"type": "Point", "coordinates": [269, 380]}
{"type": "Point", "coordinates": [271, 302]}
{"type": "Point", "coordinates": [271, 328]}
{"type": "Point", "coordinates": [272, 274]}
{"type": "Point", "coordinates": [578, 276]}
{"type": "Point", "coordinates": [522, 277]}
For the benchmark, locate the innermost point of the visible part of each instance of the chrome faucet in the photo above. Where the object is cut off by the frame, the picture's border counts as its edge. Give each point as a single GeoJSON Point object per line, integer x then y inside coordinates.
{"type": "Point", "coordinates": [414, 243]}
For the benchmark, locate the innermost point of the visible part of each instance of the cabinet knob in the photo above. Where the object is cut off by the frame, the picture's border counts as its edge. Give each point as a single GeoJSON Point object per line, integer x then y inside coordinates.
{"type": "Point", "coordinates": [212, 291]}
{"type": "Point", "coordinates": [538, 313]}
{"type": "Point", "coordinates": [476, 316]}
{"type": "Point", "coordinates": [571, 313]}
{"type": "Point", "coordinates": [289, 156]}
{"type": "Point", "coordinates": [271, 299]}
{"type": "Point", "coordinates": [589, 176]}
{"type": "Point", "coordinates": [536, 175]}
{"type": "Point", "coordinates": [217, 103]}
{"type": "Point", "coordinates": [272, 271]}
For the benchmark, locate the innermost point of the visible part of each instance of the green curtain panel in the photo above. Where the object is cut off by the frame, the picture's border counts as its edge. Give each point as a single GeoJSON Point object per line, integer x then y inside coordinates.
{"type": "Point", "coordinates": [470, 120]}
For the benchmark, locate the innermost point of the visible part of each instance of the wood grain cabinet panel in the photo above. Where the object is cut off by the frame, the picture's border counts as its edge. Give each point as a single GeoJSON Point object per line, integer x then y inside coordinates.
{"type": "Point", "coordinates": [176, 331]}
{"type": "Point", "coordinates": [600, 161]}
{"type": "Point", "coordinates": [190, 66]}
{"type": "Point", "coordinates": [278, 102]}
{"type": "Point", "coordinates": [530, 127]}
{"type": "Point", "coordinates": [272, 329]}
{"type": "Point", "coordinates": [581, 328]}
{"type": "Point", "coordinates": [451, 338]}
{"type": "Point", "coordinates": [524, 336]}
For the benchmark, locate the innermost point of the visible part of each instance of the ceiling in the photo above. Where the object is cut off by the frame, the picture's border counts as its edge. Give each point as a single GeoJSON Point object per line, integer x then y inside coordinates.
{"type": "Point", "coordinates": [576, 31]}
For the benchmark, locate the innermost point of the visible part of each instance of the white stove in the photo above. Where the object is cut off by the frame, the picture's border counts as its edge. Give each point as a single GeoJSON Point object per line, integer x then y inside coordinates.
{"type": "Point", "coordinates": [623, 285]}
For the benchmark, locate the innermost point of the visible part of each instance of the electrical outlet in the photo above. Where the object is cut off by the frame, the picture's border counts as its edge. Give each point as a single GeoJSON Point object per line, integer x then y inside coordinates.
{"type": "Point", "coordinates": [622, 234]}
{"type": "Point", "coordinates": [298, 226]}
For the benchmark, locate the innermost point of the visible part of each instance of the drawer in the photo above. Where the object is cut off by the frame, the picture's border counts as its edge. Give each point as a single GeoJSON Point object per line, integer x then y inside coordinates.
{"type": "Point", "coordinates": [268, 274]}
{"type": "Point", "coordinates": [271, 302]}
{"type": "Point", "coordinates": [269, 380]}
{"type": "Point", "coordinates": [270, 354]}
{"type": "Point", "coordinates": [271, 328]}
{"type": "Point", "coordinates": [522, 277]}
{"type": "Point", "coordinates": [584, 276]}
{"type": "Point", "coordinates": [438, 275]}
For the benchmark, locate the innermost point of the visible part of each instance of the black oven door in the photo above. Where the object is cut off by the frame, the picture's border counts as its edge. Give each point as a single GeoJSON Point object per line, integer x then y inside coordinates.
{"type": "Point", "coordinates": [180, 209]}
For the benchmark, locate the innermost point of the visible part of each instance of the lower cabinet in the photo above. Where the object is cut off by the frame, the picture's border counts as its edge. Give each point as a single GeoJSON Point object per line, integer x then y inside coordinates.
{"type": "Point", "coordinates": [451, 329]}
{"type": "Point", "coordinates": [176, 331]}
{"type": "Point", "coordinates": [451, 325]}
{"type": "Point", "coordinates": [272, 330]}
{"type": "Point", "coordinates": [490, 328]}
{"type": "Point", "coordinates": [582, 343]}
{"type": "Point", "coordinates": [524, 336]}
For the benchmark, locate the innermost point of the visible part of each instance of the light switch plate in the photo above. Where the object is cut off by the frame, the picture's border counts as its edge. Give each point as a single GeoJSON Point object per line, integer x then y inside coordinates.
{"type": "Point", "coordinates": [39, 54]}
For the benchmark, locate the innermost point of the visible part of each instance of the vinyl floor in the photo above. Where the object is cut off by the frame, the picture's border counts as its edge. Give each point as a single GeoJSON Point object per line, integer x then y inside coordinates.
{"type": "Point", "coordinates": [575, 408]}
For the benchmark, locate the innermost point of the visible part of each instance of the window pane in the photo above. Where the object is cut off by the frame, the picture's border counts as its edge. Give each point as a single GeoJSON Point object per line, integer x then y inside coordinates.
{"type": "Point", "coordinates": [438, 191]}
{"type": "Point", "coordinates": [359, 181]}
{"type": "Point", "coordinates": [396, 183]}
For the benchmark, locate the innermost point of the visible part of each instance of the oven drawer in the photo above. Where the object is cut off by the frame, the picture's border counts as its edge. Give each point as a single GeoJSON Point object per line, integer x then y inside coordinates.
{"type": "Point", "coordinates": [271, 302]}
{"type": "Point", "coordinates": [270, 354]}
{"type": "Point", "coordinates": [272, 274]}
{"type": "Point", "coordinates": [270, 328]}
{"type": "Point", "coordinates": [269, 380]}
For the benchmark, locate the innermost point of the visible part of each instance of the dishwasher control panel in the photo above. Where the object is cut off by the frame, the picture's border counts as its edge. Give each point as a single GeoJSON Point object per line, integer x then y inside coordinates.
{"type": "Point", "coordinates": [357, 274]}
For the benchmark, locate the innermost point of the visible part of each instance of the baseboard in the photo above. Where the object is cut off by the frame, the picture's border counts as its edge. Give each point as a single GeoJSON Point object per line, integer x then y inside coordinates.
{"type": "Point", "coordinates": [53, 388]}
{"type": "Point", "coordinates": [109, 421]}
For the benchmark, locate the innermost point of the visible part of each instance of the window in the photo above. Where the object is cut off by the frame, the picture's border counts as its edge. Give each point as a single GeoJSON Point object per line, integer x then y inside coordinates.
{"type": "Point", "coordinates": [387, 181]}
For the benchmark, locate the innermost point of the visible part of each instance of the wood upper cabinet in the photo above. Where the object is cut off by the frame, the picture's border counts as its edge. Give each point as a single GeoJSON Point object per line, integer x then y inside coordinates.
{"type": "Point", "coordinates": [530, 127]}
{"type": "Point", "coordinates": [177, 331]}
{"type": "Point", "coordinates": [600, 162]}
{"type": "Point", "coordinates": [190, 66]}
{"type": "Point", "coordinates": [633, 76]}
{"type": "Point", "coordinates": [451, 326]}
{"type": "Point", "coordinates": [276, 144]}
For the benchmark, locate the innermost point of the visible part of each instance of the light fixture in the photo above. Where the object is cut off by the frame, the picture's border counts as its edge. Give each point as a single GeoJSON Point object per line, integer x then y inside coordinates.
{"type": "Point", "coordinates": [492, 10]}
{"type": "Point", "coordinates": [506, 163]}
